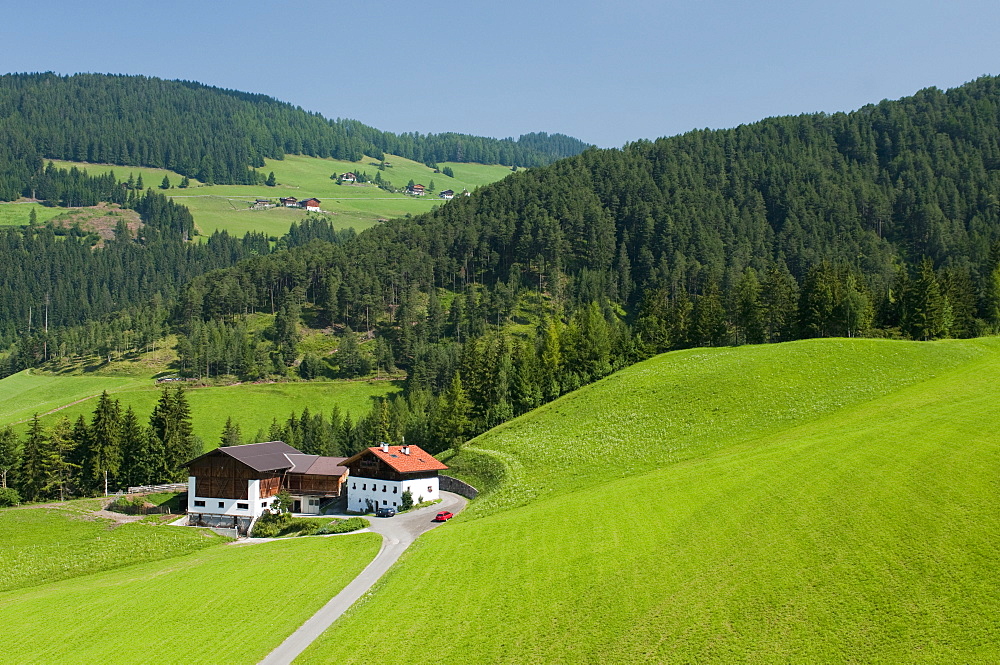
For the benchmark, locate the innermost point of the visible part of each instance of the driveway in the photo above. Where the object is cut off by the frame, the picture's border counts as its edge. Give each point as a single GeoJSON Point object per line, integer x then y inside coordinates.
{"type": "Point", "coordinates": [397, 534]}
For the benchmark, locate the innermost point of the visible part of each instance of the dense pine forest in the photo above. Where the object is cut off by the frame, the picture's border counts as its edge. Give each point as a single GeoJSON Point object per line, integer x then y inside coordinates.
{"type": "Point", "coordinates": [880, 222]}
{"type": "Point", "coordinates": [216, 135]}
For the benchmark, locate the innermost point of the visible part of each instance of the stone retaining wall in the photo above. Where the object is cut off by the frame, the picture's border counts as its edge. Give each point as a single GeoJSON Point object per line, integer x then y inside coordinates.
{"type": "Point", "coordinates": [449, 484]}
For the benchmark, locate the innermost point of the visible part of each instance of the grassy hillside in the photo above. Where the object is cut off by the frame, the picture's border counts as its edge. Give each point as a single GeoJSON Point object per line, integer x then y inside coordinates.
{"type": "Point", "coordinates": [827, 500]}
{"type": "Point", "coordinates": [251, 405]}
{"type": "Point", "coordinates": [358, 206]}
{"type": "Point", "coordinates": [46, 543]}
{"type": "Point", "coordinates": [228, 604]}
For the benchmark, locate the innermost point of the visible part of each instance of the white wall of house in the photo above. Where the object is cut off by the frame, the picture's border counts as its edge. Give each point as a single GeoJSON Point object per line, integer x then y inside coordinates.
{"type": "Point", "coordinates": [308, 505]}
{"type": "Point", "coordinates": [252, 506]}
{"type": "Point", "coordinates": [388, 492]}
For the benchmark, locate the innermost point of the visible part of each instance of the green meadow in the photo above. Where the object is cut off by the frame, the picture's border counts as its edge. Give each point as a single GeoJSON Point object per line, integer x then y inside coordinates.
{"type": "Point", "coordinates": [819, 501]}
{"type": "Point", "coordinates": [47, 543]}
{"type": "Point", "coordinates": [224, 604]}
{"type": "Point", "coordinates": [251, 405]}
{"type": "Point", "coordinates": [19, 214]}
{"type": "Point", "coordinates": [218, 207]}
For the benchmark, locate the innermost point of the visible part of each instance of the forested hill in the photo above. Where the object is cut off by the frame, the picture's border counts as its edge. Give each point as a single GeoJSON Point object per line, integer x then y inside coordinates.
{"type": "Point", "coordinates": [869, 192]}
{"type": "Point", "coordinates": [214, 134]}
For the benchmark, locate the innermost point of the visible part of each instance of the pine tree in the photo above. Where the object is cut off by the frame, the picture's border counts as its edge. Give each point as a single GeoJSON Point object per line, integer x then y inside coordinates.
{"type": "Point", "coordinates": [231, 435]}
{"type": "Point", "coordinates": [58, 467]}
{"type": "Point", "coordinates": [10, 454]}
{"type": "Point", "coordinates": [133, 444]}
{"type": "Point", "coordinates": [103, 457]}
{"type": "Point", "coordinates": [453, 423]}
{"type": "Point", "coordinates": [166, 183]}
{"type": "Point", "coordinates": [139, 185]}
{"type": "Point", "coordinates": [33, 463]}
{"type": "Point", "coordinates": [271, 180]}
{"type": "Point", "coordinates": [185, 182]}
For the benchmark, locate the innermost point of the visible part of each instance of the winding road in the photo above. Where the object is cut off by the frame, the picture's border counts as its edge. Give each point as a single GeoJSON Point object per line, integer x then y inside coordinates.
{"type": "Point", "coordinates": [398, 533]}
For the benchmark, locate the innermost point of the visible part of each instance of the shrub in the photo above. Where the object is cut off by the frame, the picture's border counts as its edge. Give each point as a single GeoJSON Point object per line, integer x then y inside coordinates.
{"type": "Point", "coordinates": [9, 497]}
{"type": "Point", "coordinates": [407, 501]}
{"type": "Point", "coordinates": [346, 526]}
{"type": "Point", "coordinates": [304, 527]}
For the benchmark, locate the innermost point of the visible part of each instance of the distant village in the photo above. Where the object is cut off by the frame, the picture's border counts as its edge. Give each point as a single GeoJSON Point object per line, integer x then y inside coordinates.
{"type": "Point", "coordinates": [313, 204]}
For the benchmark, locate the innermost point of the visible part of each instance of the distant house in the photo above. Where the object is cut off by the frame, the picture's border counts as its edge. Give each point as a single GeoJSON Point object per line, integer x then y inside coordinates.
{"type": "Point", "coordinates": [261, 204]}
{"type": "Point", "coordinates": [379, 476]}
{"type": "Point", "coordinates": [465, 192]}
{"type": "Point", "coordinates": [415, 190]}
{"type": "Point", "coordinates": [310, 204]}
{"type": "Point", "coordinates": [348, 177]}
{"type": "Point", "coordinates": [447, 194]}
{"type": "Point", "coordinates": [289, 201]}
{"type": "Point", "coordinates": [233, 486]}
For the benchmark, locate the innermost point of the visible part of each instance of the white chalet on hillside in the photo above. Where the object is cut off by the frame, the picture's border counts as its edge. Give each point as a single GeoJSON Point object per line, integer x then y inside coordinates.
{"type": "Point", "coordinates": [379, 476]}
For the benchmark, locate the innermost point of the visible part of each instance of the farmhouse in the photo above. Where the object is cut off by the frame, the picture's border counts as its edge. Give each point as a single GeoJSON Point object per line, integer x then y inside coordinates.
{"type": "Point", "coordinates": [233, 486]}
{"type": "Point", "coordinates": [289, 201]}
{"type": "Point", "coordinates": [447, 194]}
{"type": "Point", "coordinates": [348, 177]}
{"type": "Point", "coordinates": [380, 475]}
{"type": "Point", "coordinates": [415, 190]}
{"type": "Point", "coordinates": [261, 204]}
{"type": "Point", "coordinates": [310, 204]}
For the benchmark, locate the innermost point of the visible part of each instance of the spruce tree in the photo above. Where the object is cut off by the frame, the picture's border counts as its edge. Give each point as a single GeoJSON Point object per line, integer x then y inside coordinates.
{"type": "Point", "coordinates": [103, 458]}
{"type": "Point", "coordinates": [166, 183]}
{"type": "Point", "coordinates": [10, 454]}
{"type": "Point", "coordinates": [32, 473]}
{"type": "Point", "coordinates": [231, 435]}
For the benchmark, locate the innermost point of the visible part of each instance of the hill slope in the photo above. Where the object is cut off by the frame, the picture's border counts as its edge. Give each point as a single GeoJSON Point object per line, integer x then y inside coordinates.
{"type": "Point", "coordinates": [213, 134]}
{"type": "Point", "coordinates": [827, 500]}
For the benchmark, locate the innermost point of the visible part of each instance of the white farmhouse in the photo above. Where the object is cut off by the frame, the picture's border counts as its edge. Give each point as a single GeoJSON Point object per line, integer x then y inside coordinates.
{"type": "Point", "coordinates": [379, 476]}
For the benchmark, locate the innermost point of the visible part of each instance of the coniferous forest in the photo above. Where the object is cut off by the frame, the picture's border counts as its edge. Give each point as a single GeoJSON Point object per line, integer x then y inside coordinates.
{"type": "Point", "coordinates": [880, 222]}
{"type": "Point", "coordinates": [216, 135]}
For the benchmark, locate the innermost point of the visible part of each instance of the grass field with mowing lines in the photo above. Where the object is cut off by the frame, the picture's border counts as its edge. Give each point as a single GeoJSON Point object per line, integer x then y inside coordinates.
{"type": "Point", "coordinates": [252, 406]}
{"type": "Point", "coordinates": [827, 500]}
{"type": "Point", "coordinates": [229, 604]}
{"type": "Point", "coordinates": [27, 392]}
{"type": "Point", "coordinates": [40, 544]}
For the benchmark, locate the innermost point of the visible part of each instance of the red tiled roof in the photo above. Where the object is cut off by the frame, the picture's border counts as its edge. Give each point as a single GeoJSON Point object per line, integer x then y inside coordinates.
{"type": "Point", "coordinates": [417, 460]}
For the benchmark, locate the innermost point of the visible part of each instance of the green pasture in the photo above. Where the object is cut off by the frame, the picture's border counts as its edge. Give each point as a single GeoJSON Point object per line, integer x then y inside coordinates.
{"type": "Point", "coordinates": [218, 207]}
{"type": "Point", "coordinates": [251, 405]}
{"type": "Point", "coordinates": [151, 177]}
{"type": "Point", "coordinates": [19, 214]}
{"type": "Point", "coordinates": [820, 501]}
{"type": "Point", "coordinates": [228, 604]}
{"type": "Point", "coordinates": [29, 392]}
{"type": "Point", "coordinates": [46, 543]}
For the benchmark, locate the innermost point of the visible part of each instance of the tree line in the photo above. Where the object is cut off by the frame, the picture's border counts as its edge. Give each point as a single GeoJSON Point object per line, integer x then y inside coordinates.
{"type": "Point", "coordinates": [111, 451]}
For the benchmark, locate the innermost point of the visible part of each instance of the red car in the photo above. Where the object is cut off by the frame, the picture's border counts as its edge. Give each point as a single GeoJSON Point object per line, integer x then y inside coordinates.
{"type": "Point", "coordinates": [444, 516]}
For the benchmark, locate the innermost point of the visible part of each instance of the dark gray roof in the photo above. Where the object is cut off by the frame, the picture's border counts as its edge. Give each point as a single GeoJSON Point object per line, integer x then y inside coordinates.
{"type": "Point", "coordinates": [315, 465]}
{"type": "Point", "coordinates": [269, 456]}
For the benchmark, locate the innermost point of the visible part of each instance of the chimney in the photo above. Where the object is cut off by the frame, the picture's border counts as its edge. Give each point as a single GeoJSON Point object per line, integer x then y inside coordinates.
{"type": "Point", "coordinates": [405, 450]}
{"type": "Point", "coordinates": [385, 447]}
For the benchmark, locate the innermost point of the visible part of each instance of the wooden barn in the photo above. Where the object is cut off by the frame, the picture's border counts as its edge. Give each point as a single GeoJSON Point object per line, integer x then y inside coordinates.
{"type": "Point", "coordinates": [233, 486]}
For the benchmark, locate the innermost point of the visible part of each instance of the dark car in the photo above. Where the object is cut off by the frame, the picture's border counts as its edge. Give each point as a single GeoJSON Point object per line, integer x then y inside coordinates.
{"type": "Point", "coordinates": [444, 516]}
{"type": "Point", "coordinates": [385, 511]}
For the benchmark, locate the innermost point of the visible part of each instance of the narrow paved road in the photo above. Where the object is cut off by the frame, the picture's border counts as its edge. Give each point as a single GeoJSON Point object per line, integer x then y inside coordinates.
{"type": "Point", "coordinates": [397, 534]}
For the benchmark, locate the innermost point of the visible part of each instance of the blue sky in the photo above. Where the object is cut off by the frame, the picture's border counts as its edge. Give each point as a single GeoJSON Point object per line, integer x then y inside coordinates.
{"type": "Point", "coordinates": [605, 72]}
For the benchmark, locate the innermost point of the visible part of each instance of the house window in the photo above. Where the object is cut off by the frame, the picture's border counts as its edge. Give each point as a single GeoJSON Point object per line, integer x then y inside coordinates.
{"type": "Point", "coordinates": [395, 490]}
{"type": "Point", "coordinates": [222, 504]}
{"type": "Point", "coordinates": [430, 489]}
{"type": "Point", "coordinates": [199, 504]}
{"type": "Point", "coordinates": [393, 504]}
{"type": "Point", "coordinates": [263, 504]}
{"type": "Point", "coordinates": [383, 488]}
{"type": "Point", "coordinates": [365, 486]}
{"type": "Point", "coordinates": [354, 486]}
{"type": "Point", "coordinates": [384, 502]}
{"type": "Point", "coordinates": [243, 506]}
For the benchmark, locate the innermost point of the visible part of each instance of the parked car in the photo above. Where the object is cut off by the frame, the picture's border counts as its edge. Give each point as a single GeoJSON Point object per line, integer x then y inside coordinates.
{"type": "Point", "coordinates": [385, 511]}
{"type": "Point", "coordinates": [444, 516]}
